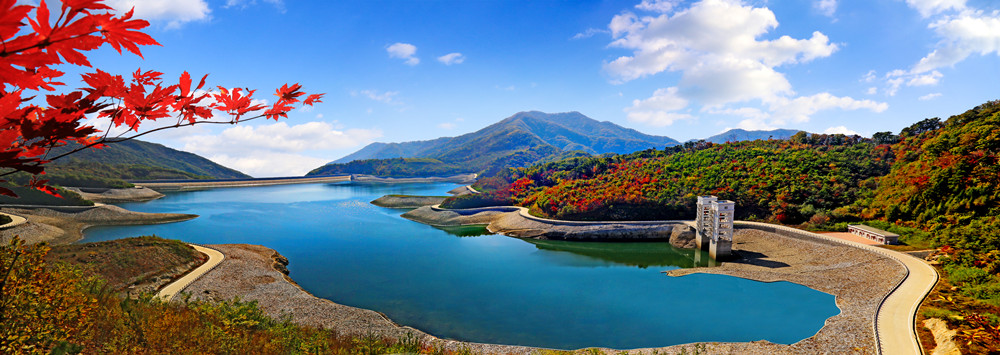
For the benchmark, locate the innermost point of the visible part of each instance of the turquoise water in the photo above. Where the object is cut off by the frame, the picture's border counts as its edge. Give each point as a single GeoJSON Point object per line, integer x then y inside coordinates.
{"type": "Point", "coordinates": [461, 284]}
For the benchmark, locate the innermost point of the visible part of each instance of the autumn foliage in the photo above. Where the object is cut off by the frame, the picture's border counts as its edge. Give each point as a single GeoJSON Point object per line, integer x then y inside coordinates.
{"type": "Point", "coordinates": [33, 48]}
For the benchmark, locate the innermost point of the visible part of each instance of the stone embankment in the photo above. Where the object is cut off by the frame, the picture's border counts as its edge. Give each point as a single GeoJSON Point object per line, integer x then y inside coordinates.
{"type": "Point", "coordinates": [461, 179]}
{"type": "Point", "coordinates": [517, 222]}
{"type": "Point", "coordinates": [106, 195]}
{"type": "Point", "coordinates": [59, 225]}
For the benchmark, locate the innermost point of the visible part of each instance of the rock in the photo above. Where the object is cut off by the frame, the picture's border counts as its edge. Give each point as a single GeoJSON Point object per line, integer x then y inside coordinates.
{"type": "Point", "coordinates": [682, 236]}
{"type": "Point", "coordinates": [943, 336]}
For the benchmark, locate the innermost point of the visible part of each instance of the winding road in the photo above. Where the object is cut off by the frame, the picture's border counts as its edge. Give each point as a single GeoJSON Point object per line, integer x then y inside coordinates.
{"type": "Point", "coordinates": [172, 289]}
{"type": "Point", "coordinates": [895, 330]}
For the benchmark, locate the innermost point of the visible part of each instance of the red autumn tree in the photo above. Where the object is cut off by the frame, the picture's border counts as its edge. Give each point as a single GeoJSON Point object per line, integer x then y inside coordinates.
{"type": "Point", "coordinates": [31, 48]}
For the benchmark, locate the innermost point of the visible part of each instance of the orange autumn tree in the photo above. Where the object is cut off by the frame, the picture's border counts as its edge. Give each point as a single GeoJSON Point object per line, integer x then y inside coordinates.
{"type": "Point", "coordinates": [31, 48]}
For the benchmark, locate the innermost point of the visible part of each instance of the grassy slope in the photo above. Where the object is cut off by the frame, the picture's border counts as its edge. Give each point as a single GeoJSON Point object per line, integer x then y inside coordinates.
{"type": "Point", "coordinates": [127, 262]}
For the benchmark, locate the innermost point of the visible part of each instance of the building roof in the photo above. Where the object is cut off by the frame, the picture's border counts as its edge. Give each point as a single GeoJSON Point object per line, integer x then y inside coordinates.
{"type": "Point", "coordinates": [873, 230]}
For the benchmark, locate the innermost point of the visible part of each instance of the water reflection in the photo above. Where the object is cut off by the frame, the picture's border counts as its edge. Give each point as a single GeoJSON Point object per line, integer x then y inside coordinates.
{"type": "Point", "coordinates": [640, 254]}
{"type": "Point", "coordinates": [475, 230]}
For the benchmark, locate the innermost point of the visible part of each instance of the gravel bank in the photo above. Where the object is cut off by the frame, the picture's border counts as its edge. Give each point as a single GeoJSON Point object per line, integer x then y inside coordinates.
{"type": "Point", "coordinates": [398, 201]}
{"type": "Point", "coordinates": [136, 194]}
{"type": "Point", "coordinates": [57, 225]}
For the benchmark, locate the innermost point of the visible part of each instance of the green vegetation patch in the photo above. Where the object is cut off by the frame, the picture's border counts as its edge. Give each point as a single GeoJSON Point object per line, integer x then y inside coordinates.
{"type": "Point", "coordinates": [26, 196]}
{"type": "Point", "coordinates": [130, 261]}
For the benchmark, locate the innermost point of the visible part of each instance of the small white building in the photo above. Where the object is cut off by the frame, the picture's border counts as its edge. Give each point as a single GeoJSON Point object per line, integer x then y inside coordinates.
{"type": "Point", "coordinates": [875, 234]}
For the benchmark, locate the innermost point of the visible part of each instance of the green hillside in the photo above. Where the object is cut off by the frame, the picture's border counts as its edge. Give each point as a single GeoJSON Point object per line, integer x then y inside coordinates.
{"type": "Point", "coordinates": [159, 159]}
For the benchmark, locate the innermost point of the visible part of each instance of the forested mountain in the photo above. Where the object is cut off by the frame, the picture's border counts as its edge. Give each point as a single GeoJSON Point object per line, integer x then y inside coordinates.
{"type": "Point", "coordinates": [140, 153]}
{"type": "Point", "coordinates": [520, 140]}
{"type": "Point", "coordinates": [739, 135]}
{"type": "Point", "coordinates": [128, 160]}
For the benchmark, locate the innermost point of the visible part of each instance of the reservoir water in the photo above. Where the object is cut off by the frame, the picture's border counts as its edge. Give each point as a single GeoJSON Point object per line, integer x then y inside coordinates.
{"type": "Point", "coordinates": [465, 285]}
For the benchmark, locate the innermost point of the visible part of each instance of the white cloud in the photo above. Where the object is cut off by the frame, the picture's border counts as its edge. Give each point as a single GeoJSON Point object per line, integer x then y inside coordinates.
{"type": "Point", "coordinates": [280, 4]}
{"type": "Point", "coordinates": [452, 58]}
{"type": "Point", "coordinates": [869, 77]}
{"type": "Point", "coordinates": [656, 110]}
{"type": "Point", "coordinates": [716, 47]}
{"type": "Point", "coordinates": [273, 150]}
{"type": "Point", "coordinates": [749, 112]}
{"type": "Point", "coordinates": [872, 90]}
{"type": "Point", "coordinates": [446, 125]}
{"type": "Point", "coordinates": [269, 164]}
{"type": "Point", "coordinates": [799, 109]}
{"type": "Point", "coordinates": [721, 61]}
{"type": "Point", "coordinates": [930, 96]}
{"type": "Point", "coordinates": [175, 12]}
{"type": "Point", "coordinates": [826, 7]}
{"type": "Point", "coordinates": [960, 35]}
{"type": "Point", "coordinates": [280, 137]}
{"type": "Point", "coordinates": [840, 130]}
{"type": "Point", "coordinates": [388, 97]}
{"type": "Point", "coordinates": [403, 51]}
{"type": "Point", "coordinates": [590, 32]}
{"type": "Point", "coordinates": [661, 6]}
{"type": "Point", "coordinates": [933, 7]}
{"type": "Point", "coordinates": [753, 124]}
{"type": "Point", "coordinates": [926, 79]}
{"type": "Point", "coordinates": [970, 33]}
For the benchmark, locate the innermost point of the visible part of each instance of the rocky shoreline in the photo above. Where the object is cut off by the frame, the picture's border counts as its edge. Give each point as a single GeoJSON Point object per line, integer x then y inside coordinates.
{"type": "Point", "coordinates": [61, 225]}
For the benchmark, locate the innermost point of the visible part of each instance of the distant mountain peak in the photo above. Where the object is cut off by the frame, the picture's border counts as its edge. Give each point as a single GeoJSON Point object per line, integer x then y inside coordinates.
{"type": "Point", "coordinates": [554, 133]}
{"type": "Point", "coordinates": [738, 135]}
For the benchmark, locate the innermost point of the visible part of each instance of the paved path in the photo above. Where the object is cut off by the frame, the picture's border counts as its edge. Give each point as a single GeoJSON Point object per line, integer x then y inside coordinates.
{"type": "Point", "coordinates": [15, 221]}
{"type": "Point", "coordinates": [895, 323]}
{"type": "Point", "coordinates": [214, 258]}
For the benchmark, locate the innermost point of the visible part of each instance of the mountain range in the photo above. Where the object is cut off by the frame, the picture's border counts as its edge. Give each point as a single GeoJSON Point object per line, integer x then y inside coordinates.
{"type": "Point", "coordinates": [524, 139]}
{"type": "Point", "coordinates": [519, 140]}
{"type": "Point", "coordinates": [739, 135]}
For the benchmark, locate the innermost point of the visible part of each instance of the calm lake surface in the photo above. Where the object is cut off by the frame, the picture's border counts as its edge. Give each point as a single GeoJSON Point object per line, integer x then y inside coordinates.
{"type": "Point", "coordinates": [463, 285]}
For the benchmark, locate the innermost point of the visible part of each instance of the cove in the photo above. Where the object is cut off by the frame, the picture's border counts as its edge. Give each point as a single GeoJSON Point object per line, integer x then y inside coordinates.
{"type": "Point", "coordinates": [464, 284]}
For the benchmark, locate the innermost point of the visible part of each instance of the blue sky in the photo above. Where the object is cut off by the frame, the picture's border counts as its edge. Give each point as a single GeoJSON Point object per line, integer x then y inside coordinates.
{"type": "Point", "coordinates": [411, 70]}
